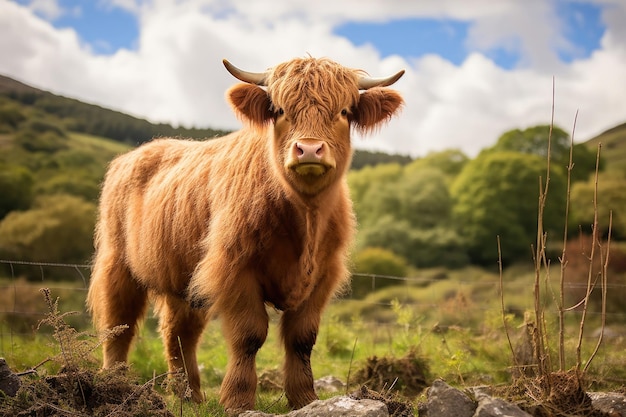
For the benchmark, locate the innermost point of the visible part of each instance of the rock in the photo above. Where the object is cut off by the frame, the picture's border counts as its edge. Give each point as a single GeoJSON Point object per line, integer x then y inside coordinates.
{"type": "Point", "coordinates": [335, 407]}
{"type": "Point", "coordinates": [329, 384]}
{"type": "Point", "coordinates": [9, 382]}
{"type": "Point", "coordinates": [445, 401]}
{"type": "Point", "coordinates": [497, 407]}
{"type": "Point", "coordinates": [611, 403]}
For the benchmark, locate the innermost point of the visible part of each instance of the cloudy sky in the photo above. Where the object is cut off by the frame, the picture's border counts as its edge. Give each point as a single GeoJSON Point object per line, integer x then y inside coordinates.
{"type": "Point", "coordinates": [474, 68]}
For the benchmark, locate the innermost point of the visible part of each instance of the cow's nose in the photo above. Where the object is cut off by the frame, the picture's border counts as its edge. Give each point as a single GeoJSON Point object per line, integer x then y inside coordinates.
{"type": "Point", "coordinates": [309, 152]}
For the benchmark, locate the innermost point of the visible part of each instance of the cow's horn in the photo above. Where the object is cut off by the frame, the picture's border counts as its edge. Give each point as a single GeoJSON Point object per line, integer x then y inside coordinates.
{"type": "Point", "coordinates": [366, 83]}
{"type": "Point", "coordinates": [258, 78]}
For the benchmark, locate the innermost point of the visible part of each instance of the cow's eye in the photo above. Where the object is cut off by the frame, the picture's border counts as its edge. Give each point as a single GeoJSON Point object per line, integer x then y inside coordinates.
{"type": "Point", "coordinates": [281, 111]}
{"type": "Point", "coordinates": [344, 112]}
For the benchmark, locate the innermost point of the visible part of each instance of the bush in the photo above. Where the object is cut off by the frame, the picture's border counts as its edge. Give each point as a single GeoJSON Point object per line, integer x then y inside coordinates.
{"type": "Point", "coordinates": [376, 261]}
{"type": "Point", "coordinates": [16, 188]}
{"type": "Point", "coordinates": [57, 229]}
{"type": "Point", "coordinates": [72, 184]}
{"type": "Point", "coordinates": [11, 116]}
{"type": "Point", "coordinates": [48, 142]}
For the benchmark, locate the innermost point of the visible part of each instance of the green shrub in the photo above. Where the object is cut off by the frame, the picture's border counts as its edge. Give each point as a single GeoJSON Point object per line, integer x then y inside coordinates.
{"type": "Point", "coordinates": [11, 116]}
{"type": "Point", "coordinates": [16, 188]}
{"type": "Point", "coordinates": [57, 229]}
{"type": "Point", "coordinates": [33, 141]}
{"type": "Point", "coordinates": [376, 261]}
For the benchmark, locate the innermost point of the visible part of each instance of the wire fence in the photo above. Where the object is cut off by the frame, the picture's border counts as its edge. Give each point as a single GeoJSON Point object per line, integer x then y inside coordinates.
{"type": "Point", "coordinates": [21, 305]}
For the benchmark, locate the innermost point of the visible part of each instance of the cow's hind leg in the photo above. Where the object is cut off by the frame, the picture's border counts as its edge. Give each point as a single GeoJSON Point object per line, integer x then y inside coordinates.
{"type": "Point", "coordinates": [115, 299]}
{"type": "Point", "coordinates": [244, 324]}
{"type": "Point", "coordinates": [182, 326]}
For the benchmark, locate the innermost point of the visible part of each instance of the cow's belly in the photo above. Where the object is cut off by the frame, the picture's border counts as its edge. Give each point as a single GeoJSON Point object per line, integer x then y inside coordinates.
{"type": "Point", "coordinates": [161, 266]}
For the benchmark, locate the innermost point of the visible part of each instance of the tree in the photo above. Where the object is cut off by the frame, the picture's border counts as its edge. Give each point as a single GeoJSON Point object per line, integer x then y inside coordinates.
{"type": "Point", "coordinates": [423, 198]}
{"type": "Point", "coordinates": [534, 141]}
{"type": "Point", "coordinates": [439, 246]}
{"type": "Point", "coordinates": [450, 162]}
{"type": "Point", "coordinates": [370, 190]}
{"type": "Point", "coordinates": [388, 233]}
{"type": "Point", "coordinates": [496, 194]}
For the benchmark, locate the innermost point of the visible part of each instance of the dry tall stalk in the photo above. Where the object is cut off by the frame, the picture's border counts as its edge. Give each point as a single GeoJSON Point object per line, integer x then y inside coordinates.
{"type": "Point", "coordinates": [540, 339]}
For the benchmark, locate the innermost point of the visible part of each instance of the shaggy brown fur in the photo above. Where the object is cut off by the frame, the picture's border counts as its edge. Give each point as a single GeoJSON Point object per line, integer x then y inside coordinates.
{"type": "Point", "coordinates": [228, 225]}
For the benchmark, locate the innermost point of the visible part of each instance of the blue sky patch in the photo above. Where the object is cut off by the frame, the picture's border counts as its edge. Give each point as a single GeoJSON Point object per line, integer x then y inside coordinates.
{"type": "Point", "coordinates": [583, 28]}
{"type": "Point", "coordinates": [411, 37]}
{"type": "Point", "coordinates": [104, 27]}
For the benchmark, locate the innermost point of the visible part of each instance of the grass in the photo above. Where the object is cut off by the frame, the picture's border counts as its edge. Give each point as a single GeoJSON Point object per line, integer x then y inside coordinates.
{"type": "Point", "coordinates": [453, 322]}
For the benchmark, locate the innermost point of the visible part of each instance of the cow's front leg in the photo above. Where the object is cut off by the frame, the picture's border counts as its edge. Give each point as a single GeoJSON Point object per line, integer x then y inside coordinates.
{"type": "Point", "coordinates": [299, 332]}
{"type": "Point", "coordinates": [244, 324]}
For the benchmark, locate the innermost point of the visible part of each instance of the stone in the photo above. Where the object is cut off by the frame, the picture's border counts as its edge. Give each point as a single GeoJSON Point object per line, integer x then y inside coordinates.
{"type": "Point", "coordinates": [445, 401]}
{"type": "Point", "coordinates": [342, 406]}
{"type": "Point", "coordinates": [329, 384]}
{"type": "Point", "coordinates": [497, 407]}
{"type": "Point", "coordinates": [9, 382]}
{"type": "Point", "coordinates": [611, 403]}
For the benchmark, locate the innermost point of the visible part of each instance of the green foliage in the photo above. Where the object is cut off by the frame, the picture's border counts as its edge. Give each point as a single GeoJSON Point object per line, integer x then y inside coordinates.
{"type": "Point", "coordinates": [613, 143]}
{"type": "Point", "coordinates": [611, 199]}
{"type": "Point", "coordinates": [360, 181]}
{"type": "Point", "coordinates": [48, 142]}
{"type": "Point", "coordinates": [450, 162]}
{"type": "Point", "coordinates": [95, 120]}
{"type": "Point", "coordinates": [389, 233]}
{"type": "Point", "coordinates": [423, 198]}
{"type": "Point", "coordinates": [534, 141]}
{"type": "Point", "coordinates": [408, 211]}
{"type": "Point", "coordinates": [363, 158]}
{"type": "Point", "coordinates": [16, 188]}
{"type": "Point", "coordinates": [379, 261]}
{"type": "Point", "coordinates": [496, 194]}
{"type": "Point", "coordinates": [58, 228]}
{"type": "Point", "coordinates": [11, 115]}
{"type": "Point", "coordinates": [439, 246]}
{"type": "Point", "coordinates": [376, 261]}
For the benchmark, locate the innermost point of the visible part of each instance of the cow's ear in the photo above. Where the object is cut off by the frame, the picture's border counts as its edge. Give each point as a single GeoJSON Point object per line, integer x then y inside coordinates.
{"type": "Point", "coordinates": [250, 103]}
{"type": "Point", "coordinates": [375, 107]}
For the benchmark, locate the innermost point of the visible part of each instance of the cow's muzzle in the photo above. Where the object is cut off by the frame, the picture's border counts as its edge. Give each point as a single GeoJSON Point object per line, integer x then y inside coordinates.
{"type": "Point", "coordinates": [310, 157]}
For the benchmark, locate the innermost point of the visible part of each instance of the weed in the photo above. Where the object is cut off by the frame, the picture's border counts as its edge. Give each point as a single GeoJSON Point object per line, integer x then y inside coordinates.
{"type": "Point", "coordinates": [77, 389]}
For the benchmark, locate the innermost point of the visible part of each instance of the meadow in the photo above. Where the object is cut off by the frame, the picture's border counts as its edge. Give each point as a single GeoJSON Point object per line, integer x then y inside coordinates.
{"type": "Point", "coordinates": [451, 321]}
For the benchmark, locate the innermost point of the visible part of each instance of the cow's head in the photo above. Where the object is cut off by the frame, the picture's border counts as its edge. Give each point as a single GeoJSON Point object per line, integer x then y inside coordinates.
{"type": "Point", "coordinates": [311, 105]}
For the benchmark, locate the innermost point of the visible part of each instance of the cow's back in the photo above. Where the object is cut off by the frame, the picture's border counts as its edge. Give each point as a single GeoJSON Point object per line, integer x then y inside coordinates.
{"type": "Point", "coordinates": [155, 207]}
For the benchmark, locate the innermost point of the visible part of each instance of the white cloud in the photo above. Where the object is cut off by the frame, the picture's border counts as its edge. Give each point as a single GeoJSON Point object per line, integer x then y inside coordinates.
{"type": "Point", "coordinates": [49, 9]}
{"type": "Point", "coordinates": [175, 72]}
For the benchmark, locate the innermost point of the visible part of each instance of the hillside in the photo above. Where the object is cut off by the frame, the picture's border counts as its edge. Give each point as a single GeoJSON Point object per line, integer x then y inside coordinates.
{"type": "Point", "coordinates": [80, 117]}
{"type": "Point", "coordinates": [613, 147]}
{"type": "Point", "coordinates": [76, 116]}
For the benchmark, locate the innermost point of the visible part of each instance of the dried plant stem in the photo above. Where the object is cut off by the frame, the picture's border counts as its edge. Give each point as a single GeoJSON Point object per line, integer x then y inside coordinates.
{"type": "Point", "coordinates": [541, 351]}
{"type": "Point", "coordinates": [563, 258]}
{"type": "Point", "coordinates": [605, 270]}
{"type": "Point", "coordinates": [350, 366]}
{"type": "Point", "coordinates": [504, 321]}
{"type": "Point", "coordinates": [590, 277]}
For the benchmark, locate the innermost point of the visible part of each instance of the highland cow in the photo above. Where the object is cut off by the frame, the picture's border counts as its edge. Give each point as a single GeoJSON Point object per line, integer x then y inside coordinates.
{"type": "Point", "coordinates": [226, 227]}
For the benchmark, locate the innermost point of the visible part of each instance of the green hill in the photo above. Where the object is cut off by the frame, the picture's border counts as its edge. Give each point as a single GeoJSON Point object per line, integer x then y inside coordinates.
{"type": "Point", "coordinates": [77, 116]}
{"type": "Point", "coordinates": [613, 147]}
